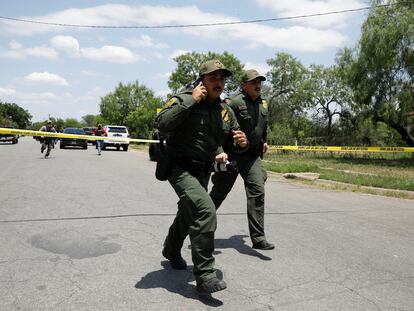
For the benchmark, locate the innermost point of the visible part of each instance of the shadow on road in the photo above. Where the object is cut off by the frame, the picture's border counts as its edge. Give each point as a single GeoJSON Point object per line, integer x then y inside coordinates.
{"type": "Point", "coordinates": [237, 242]}
{"type": "Point", "coordinates": [176, 281]}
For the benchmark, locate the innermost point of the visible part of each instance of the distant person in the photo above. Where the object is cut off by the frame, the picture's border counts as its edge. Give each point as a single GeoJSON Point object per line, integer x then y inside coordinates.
{"type": "Point", "coordinates": [99, 131]}
{"type": "Point", "coordinates": [47, 142]}
{"type": "Point", "coordinates": [251, 113]}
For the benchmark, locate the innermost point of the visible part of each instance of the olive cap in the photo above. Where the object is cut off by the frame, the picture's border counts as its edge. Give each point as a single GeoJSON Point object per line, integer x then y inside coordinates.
{"type": "Point", "coordinates": [214, 65]}
{"type": "Point", "coordinates": [251, 74]}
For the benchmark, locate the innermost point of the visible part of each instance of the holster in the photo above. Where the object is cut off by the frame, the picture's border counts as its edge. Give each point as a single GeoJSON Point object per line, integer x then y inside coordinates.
{"type": "Point", "coordinates": [163, 169]}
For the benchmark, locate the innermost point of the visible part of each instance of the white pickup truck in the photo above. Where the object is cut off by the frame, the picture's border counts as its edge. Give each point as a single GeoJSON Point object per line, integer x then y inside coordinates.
{"type": "Point", "coordinates": [117, 131]}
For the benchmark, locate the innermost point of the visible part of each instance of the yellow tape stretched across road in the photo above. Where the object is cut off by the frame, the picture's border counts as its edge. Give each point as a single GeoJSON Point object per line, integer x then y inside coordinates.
{"type": "Point", "coordinates": [343, 148]}
{"type": "Point", "coordinates": [73, 136]}
{"type": "Point", "coordinates": [135, 140]}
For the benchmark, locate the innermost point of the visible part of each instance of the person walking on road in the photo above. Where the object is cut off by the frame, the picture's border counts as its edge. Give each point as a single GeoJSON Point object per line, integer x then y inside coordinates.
{"type": "Point", "coordinates": [47, 142]}
{"type": "Point", "coordinates": [197, 123]}
{"type": "Point", "coordinates": [251, 113]}
{"type": "Point", "coordinates": [99, 131]}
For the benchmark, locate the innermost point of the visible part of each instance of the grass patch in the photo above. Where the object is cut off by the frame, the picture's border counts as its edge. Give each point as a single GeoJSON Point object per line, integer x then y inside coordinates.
{"type": "Point", "coordinates": [389, 171]}
{"type": "Point", "coordinates": [381, 181]}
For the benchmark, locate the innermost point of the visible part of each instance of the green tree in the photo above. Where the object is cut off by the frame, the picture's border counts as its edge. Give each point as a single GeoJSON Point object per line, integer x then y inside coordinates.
{"type": "Point", "coordinates": [132, 105]}
{"type": "Point", "coordinates": [14, 115]}
{"type": "Point", "coordinates": [89, 120]}
{"type": "Point", "coordinates": [383, 73]}
{"type": "Point", "coordinates": [287, 119]}
{"type": "Point", "coordinates": [188, 70]}
{"type": "Point", "coordinates": [326, 94]}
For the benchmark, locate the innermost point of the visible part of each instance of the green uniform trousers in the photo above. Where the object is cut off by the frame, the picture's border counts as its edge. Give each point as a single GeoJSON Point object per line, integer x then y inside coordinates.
{"type": "Point", "coordinates": [196, 217]}
{"type": "Point", "coordinates": [254, 176]}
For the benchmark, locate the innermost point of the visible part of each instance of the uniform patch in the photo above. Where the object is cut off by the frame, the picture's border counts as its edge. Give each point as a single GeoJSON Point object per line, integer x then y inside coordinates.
{"type": "Point", "coordinates": [227, 101]}
{"type": "Point", "coordinates": [225, 115]}
{"type": "Point", "coordinates": [264, 103]}
{"type": "Point", "coordinates": [242, 106]}
{"type": "Point", "coordinates": [171, 102]}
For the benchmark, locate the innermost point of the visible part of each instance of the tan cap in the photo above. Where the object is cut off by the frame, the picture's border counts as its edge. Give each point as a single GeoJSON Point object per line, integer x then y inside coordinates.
{"type": "Point", "coordinates": [251, 74]}
{"type": "Point", "coordinates": [214, 65]}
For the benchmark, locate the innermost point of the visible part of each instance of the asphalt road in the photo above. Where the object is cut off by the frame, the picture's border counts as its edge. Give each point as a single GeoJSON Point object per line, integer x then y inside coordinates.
{"type": "Point", "coordinates": [83, 232]}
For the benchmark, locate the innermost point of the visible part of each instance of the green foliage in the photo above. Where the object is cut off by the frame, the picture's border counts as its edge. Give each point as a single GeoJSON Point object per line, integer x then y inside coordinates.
{"type": "Point", "coordinates": [326, 95]}
{"type": "Point", "coordinates": [13, 115]}
{"type": "Point", "coordinates": [285, 77]}
{"type": "Point", "coordinates": [132, 105]}
{"type": "Point", "coordinates": [188, 70]}
{"type": "Point", "coordinates": [382, 74]}
{"type": "Point", "coordinates": [89, 120]}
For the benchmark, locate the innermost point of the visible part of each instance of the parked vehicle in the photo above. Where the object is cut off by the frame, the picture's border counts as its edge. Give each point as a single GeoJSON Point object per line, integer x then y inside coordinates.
{"type": "Point", "coordinates": [13, 138]}
{"type": "Point", "coordinates": [117, 131]}
{"type": "Point", "coordinates": [74, 142]}
{"type": "Point", "coordinates": [89, 131]}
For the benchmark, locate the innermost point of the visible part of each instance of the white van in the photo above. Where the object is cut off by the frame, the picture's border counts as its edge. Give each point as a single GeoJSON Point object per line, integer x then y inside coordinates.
{"type": "Point", "coordinates": [117, 131]}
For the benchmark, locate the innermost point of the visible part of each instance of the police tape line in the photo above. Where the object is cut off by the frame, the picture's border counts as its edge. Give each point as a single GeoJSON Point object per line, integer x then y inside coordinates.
{"type": "Point", "coordinates": [72, 136]}
{"type": "Point", "coordinates": [136, 140]}
{"type": "Point", "coordinates": [343, 148]}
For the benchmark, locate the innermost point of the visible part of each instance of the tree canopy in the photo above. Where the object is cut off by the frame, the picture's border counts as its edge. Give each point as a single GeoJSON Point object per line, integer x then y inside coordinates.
{"type": "Point", "coordinates": [382, 73]}
{"type": "Point", "coordinates": [188, 70]}
{"type": "Point", "coordinates": [132, 105]}
{"type": "Point", "coordinates": [14, 116]}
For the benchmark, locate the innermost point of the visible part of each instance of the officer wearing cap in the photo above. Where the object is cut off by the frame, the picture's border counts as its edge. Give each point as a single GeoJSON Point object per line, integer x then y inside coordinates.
{"type": "Point", "coordinates": [251, 113]}
{"type": "Point", "coordinates": [197, 124]}
{"type": "Point", "coordinates": [47, 142]}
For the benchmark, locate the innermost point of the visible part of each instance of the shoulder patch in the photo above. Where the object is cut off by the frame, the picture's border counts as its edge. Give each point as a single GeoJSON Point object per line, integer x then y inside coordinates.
{"type": "Point", "coordinates": [227, 101]}
{"type": "Point", "coordinates": [264, 103]}
{"type": "Point", "coordinates": [225, 114]}
{"type": "Point", "coordinates": [170, 102]}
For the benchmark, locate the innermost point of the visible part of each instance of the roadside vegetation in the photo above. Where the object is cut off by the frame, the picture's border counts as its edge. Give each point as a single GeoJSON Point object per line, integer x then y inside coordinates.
{"type": "Point", "coordinates": [390, 171]}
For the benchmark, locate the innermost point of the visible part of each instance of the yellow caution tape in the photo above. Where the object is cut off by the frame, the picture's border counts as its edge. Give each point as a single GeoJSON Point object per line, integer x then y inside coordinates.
{"type": "Point", "coordinates": [344, 148]}
{"type": "Point", "coordinates": [73, 136]}
{"type": "Point", "coordinates": [135, 140]}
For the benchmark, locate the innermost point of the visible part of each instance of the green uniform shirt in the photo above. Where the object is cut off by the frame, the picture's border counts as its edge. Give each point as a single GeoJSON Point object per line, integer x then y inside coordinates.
{"type": "Point", "coordinates": [251, 116]}
{"type": "Point", "coordinates": [196, 130]}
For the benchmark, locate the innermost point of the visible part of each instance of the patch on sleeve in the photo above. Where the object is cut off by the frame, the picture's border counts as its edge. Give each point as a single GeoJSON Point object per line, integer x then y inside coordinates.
{"type": "Point", "coordinates": [170, 102]}
{"type": "Point", "coordinates": [227, 101]}
{"type": "Point", "coordinates": [264, 103]}
{"type": "Point", "coordinates": [225, 115]}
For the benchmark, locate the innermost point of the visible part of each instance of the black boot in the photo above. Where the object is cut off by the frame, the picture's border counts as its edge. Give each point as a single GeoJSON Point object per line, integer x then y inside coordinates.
{"type": "Point", "coordinates": [176, 261]}
{"type": "Point", "coordinates": [263, 245]}
{"type": "Point", "coordinates": [211, 286]}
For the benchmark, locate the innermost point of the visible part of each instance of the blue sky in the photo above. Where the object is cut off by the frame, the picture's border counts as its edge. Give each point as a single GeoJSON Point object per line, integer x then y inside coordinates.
{"type": "Point", "coordinates": [64, 71]}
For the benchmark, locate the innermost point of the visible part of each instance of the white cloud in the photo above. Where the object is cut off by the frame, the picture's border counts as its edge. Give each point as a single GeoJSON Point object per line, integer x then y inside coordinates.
{"type": "Point", "coordinates": [310, 34]}
{"type": "Point", "coordinates": [177, 53]}
{"type": "Point", "coordinates": [37, 98]}
{"type": "Point", "coordinates": [146, 42]}
{"type": "Point", "coordinates": [5, 91]}
{"type": "Point", "coordinates": [14, 54]}
{"type": "Point", "coordinates": [14, 45]}
{"type": "Point", "coordinates": [116, 54]}
{"type": "Point", "coordinates": [67, 44]}
{"type": "Point", "coordinates": [42, 51]}
{"type": "Point", "coordinates": [262, 68]}
{"type": "Point", "coordinates": [109, 53]}
{"type": "Point", "coordinates": [307, 7]}
{"type": "Point", "coordinates": [163, 76]}
{"type": "Point", "coordinates": [18, 51]}
{"type": "Point", "coordinates": [45, 78]}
